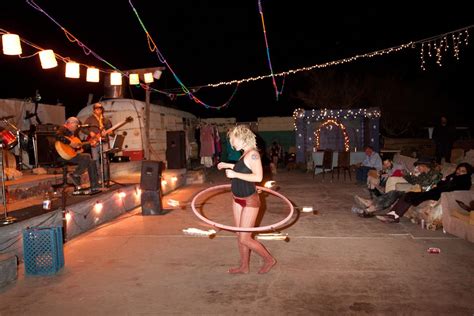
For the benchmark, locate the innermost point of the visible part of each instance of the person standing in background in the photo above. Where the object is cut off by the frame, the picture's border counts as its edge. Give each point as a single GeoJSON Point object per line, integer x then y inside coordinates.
{"type": "Point", "coordinates": [444, 136]}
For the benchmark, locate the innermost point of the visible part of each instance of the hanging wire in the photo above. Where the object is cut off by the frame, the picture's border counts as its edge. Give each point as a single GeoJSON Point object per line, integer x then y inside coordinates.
{"type": "Point", "coordinates": [277, 92]}
{"type": "Point", "coordinates": [154, 48]}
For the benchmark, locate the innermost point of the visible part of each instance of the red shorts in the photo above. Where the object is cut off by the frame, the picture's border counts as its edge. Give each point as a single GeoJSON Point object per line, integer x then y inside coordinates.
{"type": "Point", "coordinates": [251, 200]}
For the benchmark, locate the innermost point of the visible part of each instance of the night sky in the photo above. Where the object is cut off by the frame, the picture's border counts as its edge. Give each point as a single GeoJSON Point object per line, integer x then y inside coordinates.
{"type": "Point", "coordinates": [213, 41]}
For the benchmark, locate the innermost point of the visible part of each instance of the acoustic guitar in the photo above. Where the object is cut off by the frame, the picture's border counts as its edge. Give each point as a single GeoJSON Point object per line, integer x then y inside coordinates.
{"type": "Point", "coordinates": [67, 152]}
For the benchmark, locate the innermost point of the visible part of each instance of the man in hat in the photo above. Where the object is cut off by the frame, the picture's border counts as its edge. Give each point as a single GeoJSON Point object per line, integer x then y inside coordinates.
{"type": "Point", "coordinates": [425, 176]}
{"type": "Point", "coordinates": [68, 135]}
{"type": "Point", "coordinates": [96, 130]}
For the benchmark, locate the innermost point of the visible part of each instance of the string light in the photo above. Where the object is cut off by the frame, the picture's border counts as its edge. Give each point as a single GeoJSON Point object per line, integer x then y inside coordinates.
{"type": "Point", "coordinates": [98, 207]}
{"type": "Point", "coordinates": [48, 59]}
{"type": "Point", "coordinates": [133, 79]}
{"type": "Point", "coordinates": [72, 70]}
{"type": "Point", "coordinates": [458, 37]}
{"type": "Point", "coordinates": [148, 77]}
{"type": "Point", "coordinates": [115, 79]}
{"type": "Point", "coordinates": [92, 74]}
{"type": "Point", "coordinates": [11, 44]}
{"type": "Point", "coordinates": [331, 122]}
{"type": "Point", "coordinates": [324, 114]}
{"type": "Point", "coordinates": [188, 91]}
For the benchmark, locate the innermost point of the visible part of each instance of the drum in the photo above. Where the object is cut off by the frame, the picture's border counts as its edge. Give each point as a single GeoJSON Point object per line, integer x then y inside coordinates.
{"type": "Point", "coordinates": [8, 139]}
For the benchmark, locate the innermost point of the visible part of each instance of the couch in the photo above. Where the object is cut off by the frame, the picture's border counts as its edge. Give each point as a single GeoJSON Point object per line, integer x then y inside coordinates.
{"type": "Point", "coordinates": [456, 221]}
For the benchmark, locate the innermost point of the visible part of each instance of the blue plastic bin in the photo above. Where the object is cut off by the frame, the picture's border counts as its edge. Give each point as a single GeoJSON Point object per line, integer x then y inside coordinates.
{"type": "Point", "coordinates": [43, 250]}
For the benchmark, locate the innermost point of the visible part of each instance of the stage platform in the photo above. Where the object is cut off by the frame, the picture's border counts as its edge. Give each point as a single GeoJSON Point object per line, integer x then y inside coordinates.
{"type": "Point", "coordinates": [82, 212]}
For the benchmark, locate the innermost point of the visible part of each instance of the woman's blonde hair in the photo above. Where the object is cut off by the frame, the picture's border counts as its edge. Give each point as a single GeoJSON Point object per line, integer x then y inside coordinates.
{"type": "Point", "coordinates": [245, 134]}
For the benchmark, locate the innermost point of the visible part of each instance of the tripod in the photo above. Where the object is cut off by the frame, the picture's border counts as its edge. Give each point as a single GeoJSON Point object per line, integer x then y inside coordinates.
{"type": "Point", "coordinates": [6, 219]}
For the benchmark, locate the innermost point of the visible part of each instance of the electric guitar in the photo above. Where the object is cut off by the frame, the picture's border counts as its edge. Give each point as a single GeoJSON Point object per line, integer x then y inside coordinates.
{"type": "Point", "coordinates": [67, 152]}
{"type": "Point", "coordinates": [95, 140]}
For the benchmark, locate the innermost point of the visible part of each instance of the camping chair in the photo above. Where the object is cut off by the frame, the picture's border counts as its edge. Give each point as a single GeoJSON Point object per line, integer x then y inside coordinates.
{"type": "Point", "coordinates": [326, 164]}
{"type": "Point", "coordinates": [344, 163]}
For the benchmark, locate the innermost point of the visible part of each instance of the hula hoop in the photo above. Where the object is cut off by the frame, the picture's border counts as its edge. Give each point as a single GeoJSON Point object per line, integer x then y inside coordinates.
{"type": "Point", "coordinates": [242, 229]}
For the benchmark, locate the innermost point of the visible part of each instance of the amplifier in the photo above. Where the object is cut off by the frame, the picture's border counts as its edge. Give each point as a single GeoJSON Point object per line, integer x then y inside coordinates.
{"type": "Point", "coordinates": [46, 128]}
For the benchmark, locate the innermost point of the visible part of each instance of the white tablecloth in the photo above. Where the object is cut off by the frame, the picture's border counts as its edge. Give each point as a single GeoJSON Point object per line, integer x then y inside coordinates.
{"type": "Point", "coordinates": [356, 157]}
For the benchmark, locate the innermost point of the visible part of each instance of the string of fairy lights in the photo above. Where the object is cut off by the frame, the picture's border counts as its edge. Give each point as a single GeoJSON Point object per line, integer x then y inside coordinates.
{"type": "Point", "coordinates": [433, 47]}
{"type": "Point", "coordinates": [331, 122]}
{"type": "Point", "coordinates": [327, 114]}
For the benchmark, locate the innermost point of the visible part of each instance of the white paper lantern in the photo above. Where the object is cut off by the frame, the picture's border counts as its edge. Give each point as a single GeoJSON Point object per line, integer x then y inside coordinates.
{"type": "Point", "coordinates": [115, 79]}
{"type": "Point", "coordinates": [72, 70]}
{"type": "Point", "coordinates": [11, 44]}
{"type": "Point", "coordinates": [48, 59]}
{"type": "Point", "coordinates": [92, 74]}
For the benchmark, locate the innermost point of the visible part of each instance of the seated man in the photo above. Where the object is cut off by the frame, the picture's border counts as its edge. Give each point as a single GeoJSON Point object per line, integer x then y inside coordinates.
{"type": "Point", "coordinates": [372, 161]}
{"type": "Point", "coordinates": [426, 177]}
{"type": "Point", "coordinates": [459, 180]}
{"type": "Point", "coordinates": [68, 135]}
{"type": "Point", "coordinates": [376, 180]}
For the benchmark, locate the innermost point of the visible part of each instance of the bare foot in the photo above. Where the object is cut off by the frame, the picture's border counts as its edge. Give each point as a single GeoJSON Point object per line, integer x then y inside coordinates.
{"type": "Point", "coordinates": [238, 270]}
{"type": "Point", "coordinates": [267, 266]}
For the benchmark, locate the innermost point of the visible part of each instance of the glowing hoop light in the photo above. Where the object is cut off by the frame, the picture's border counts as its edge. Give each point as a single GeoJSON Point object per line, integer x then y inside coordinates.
{"type": "Point", "coordinates": [243, 229]}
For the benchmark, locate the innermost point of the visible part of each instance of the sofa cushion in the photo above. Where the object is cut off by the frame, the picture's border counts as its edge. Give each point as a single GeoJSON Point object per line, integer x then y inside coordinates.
{"type": "Point", "coordinates": [452, 223]}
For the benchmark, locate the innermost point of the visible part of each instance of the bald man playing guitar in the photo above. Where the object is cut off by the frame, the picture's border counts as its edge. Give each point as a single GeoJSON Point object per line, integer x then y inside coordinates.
{"type": "Point", "coordinates": [69, 147]}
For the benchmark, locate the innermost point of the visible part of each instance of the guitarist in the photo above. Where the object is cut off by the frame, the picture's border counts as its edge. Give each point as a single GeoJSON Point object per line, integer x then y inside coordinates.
{"type": "Point", "coordinates": [68, 134]}
{"type": "Point", "coordinates": [98, 124]}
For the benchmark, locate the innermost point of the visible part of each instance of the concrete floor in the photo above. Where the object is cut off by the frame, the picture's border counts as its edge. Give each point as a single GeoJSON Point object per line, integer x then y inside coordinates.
{"type": "Point", "coordinates": [334, 263]}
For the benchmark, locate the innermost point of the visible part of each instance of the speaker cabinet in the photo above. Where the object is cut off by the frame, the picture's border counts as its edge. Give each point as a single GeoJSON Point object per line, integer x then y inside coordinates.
{"type": "Point", "coordinates": [47, 154]}
{"type": "Point", "coordinates": [151, 175]}
{"type": "Point", "coordinates": [151, 203]}
{"type": "Point", "coordinates": [176, 149]}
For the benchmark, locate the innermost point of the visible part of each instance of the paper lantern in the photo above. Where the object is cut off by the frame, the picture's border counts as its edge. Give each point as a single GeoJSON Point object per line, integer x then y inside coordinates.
{"type": "Point", "coordinates": [72, 70]}
{"type": "Point", "coordinates": [133, 79]}
{"type": "Point", "coordinates": [115, 79]}
{"type": "Point", "coordinates": [11, 44]}
{"type": "Point", "coordinates": [48, 59]}
{"type": "Point", "coordinates": [148, 77]}
{"type": "Point", "coordinates": [92, 74]}
{"type": "Point", "coordinates": [157, 74]}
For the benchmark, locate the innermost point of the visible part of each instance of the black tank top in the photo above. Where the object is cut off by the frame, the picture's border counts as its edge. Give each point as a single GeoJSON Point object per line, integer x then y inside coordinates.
{"type": "Point", "coordinates": [239, 187]}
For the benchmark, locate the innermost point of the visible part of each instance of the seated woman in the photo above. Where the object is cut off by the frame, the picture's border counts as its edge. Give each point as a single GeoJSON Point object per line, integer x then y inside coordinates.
{"type": "Point", "coordinates": [459, 180]}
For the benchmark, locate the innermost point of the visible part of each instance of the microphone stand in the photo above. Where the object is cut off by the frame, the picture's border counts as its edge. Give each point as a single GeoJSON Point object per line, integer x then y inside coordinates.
{"type": "Point", "coordinates": [101, 160]}
{"type": "Point", "coordinates": [6, 219]}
